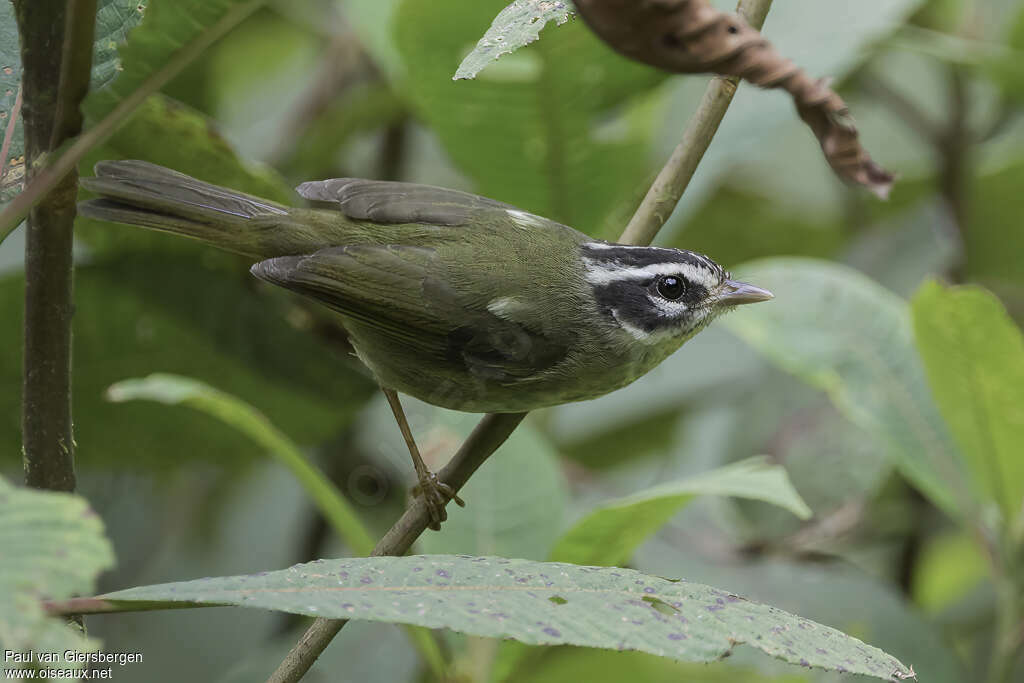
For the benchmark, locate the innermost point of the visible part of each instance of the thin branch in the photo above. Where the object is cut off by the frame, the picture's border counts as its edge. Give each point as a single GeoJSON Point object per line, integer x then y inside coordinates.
{"type": "Point", "coordinates": [9, 133]}
{"type": "Point", "coordinates": [668, 187]}
{"type": "Point", "coordinates": [494, 429]}
{"type": "Point", "coordinates": [48, 177]}
{"type": "Point", "coordinates": [54, 82]}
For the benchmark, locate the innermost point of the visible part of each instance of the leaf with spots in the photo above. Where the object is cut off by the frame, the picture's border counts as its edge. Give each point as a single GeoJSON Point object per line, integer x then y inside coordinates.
{"type": "Point", "coordinates": [494, 597]}
{"type": "Point", "coordinates": [610, 534]}
{"type": "Point", "coordinates": [53, 546]}
{"type": "Point", "coordinates": [850, 337]}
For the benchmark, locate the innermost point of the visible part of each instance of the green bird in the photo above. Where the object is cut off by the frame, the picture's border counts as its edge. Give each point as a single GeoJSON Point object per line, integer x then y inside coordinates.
{"type": "Point", "coordinates": [461, 301]}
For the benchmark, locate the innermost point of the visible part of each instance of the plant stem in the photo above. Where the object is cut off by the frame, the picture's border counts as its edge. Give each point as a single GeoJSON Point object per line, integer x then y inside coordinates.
{"type": "Point", "coordinates": [668, 187]}
{"type": "Point", "coordinates": [56, 53]}
{"type": "Point", "coordinates": [494, 429]}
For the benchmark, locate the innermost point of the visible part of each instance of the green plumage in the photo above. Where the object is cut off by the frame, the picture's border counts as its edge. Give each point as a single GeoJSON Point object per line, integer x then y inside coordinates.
{"type": "Point", "coordinates": [458, 300]}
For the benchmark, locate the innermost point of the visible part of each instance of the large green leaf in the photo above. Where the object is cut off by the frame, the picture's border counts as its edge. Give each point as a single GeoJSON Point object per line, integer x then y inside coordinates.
{"type": "Point", "coordinates": [114, 18]}
{"type": "Point", "coordinates": [53, 547]}
{"type": "Point", "coordinates": [831, 593]}
{"type": "Point", "coordinates": [525, 132]}
{"type": "Point", "coordinates": [849, 336]}
{"type": "Point", "coordinates": [609, 535]}
{"type": "Point", "coordinates": [541, 603]}
{"type": "Point", "coordinates": [974, 357]}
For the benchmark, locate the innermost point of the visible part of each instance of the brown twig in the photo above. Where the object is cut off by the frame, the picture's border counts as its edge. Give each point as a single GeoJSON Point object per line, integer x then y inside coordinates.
{"type": "Point", "coordinates": [691, 36]}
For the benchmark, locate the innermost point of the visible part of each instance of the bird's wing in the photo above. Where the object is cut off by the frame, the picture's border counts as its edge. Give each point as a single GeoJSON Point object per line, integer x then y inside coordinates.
{"type": "Point", "coordinates": [382, 201]}
{"type": "Point", "coordinates": [402, 293]}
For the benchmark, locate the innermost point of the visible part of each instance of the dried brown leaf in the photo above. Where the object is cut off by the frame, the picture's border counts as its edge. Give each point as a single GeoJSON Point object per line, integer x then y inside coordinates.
{"type": "Point", "coordinates": [691, 36]}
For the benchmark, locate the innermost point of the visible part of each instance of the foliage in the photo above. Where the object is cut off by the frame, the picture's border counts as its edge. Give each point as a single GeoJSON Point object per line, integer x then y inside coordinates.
{"type": "Point", "coordinates": [536, 603]}
{"type": "Point", "coordinates": [35, 529]}
{"type": "Point", "coordinates": [883, 408]}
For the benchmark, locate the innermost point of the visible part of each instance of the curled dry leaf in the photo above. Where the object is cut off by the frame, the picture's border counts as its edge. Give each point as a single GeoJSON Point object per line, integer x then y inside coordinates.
{"type": "Point", "coordinates": [691, 36]}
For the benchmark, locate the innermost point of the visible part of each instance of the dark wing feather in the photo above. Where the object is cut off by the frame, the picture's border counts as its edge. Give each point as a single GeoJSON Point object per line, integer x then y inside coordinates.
{"type": "Point", "coordinates": [381, 201]}
{"type": "Point", "coordinates": [400, 292]}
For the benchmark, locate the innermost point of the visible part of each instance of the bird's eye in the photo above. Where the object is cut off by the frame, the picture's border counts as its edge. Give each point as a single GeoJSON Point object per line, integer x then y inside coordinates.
{"type": "Point", "coordinates": [671, 287]}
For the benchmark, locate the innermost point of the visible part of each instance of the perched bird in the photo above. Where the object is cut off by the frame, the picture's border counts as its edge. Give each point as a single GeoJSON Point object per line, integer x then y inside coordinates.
{"type": "Point", "coordinates": [459, 300]}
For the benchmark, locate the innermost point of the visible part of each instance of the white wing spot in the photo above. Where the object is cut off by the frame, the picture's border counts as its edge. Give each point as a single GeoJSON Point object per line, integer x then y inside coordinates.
{"type": "Point", "coordinates": [524, 219]}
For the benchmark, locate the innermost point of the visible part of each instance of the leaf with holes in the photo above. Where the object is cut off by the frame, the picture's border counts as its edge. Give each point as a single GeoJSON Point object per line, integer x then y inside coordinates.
{"type": "Point", "coordinates": [540, 603]}
{"type": "Point", "coordinates": [517, 25]}
{"type": "Point", "coordinates": [53, 546]}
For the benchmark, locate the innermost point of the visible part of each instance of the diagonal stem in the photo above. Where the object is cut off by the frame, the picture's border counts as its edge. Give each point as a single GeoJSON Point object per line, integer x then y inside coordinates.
{"type": "Point", "coordinates": [494, 428]}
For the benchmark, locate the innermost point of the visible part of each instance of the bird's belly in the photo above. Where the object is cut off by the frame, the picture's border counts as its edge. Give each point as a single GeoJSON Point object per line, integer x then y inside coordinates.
{"type": "Point", "coordinates": [448, 385]}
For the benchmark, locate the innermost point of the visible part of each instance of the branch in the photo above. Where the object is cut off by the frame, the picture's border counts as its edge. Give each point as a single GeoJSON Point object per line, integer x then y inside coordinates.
{"type": "Point", "coordinates": [668, 187]}
{"type": "Point", "coordinates": [54, 81]}
{"type": "Point", "coordinates": [690, 36]}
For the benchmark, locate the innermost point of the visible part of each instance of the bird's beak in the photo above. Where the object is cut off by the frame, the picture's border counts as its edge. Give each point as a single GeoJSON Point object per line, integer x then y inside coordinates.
{"type": "Point", "coordinates": [735, 293]}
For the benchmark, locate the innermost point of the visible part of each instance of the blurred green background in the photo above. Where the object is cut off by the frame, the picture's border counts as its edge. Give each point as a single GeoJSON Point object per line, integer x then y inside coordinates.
{"type": "Point", "coordinates": [308, 89]}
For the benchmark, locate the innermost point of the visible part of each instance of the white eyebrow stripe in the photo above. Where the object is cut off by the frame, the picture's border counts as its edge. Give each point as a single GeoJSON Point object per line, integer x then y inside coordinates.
{"type": "Point", "coordinates": [603, 273]}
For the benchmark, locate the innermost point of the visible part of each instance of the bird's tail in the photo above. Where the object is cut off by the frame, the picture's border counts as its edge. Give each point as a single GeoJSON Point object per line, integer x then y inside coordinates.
{"type": "Point", "coordinates": [141, 193]}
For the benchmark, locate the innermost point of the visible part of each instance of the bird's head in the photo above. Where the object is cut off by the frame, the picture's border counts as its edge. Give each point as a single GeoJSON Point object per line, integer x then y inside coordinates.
{"type": "Point", "coordinates": [660, 295]}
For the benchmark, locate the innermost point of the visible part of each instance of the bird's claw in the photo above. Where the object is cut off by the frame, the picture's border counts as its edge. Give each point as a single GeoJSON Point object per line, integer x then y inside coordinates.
{"type": "Point", "coordinates": [436, 495]}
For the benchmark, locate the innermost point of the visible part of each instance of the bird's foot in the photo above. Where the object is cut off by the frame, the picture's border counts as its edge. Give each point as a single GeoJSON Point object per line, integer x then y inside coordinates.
{"type": "Point", "coordinates": [436, 495]}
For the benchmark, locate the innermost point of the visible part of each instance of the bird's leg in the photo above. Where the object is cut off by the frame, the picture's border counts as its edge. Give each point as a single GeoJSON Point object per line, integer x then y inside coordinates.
{"type": "Point", "coordinates": [436, 494]}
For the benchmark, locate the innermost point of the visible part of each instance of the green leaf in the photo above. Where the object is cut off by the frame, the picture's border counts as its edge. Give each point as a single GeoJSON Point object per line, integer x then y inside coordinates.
{"type": "Point", "coordinates": [53, 547]}
{"type": "Point", "coordinates": [949, 568]}
{"type": "Point", "coordinates": [850, 337]}
{"type": "Point", "coordinates": [604, 607]}
{"type": "Point", "coordinates": [974, 356]}
{"type": "Point", "coordinates": [526, 131]}
{"type": "Point", "coordinates": [114, 18]}
{"type": "Point", "coordinates": [171, 30]}
{"type": "Point", "coordinates": [175, 390]}
{"type": "Point", "coordinates": [517, 25]}
{"type": "Point", "coordinates": [609, 535]}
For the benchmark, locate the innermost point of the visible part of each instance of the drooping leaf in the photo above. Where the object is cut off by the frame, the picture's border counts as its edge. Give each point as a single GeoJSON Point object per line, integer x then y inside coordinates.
{"type": "Point", "coordinates": [517, 25]}
{"type": "Point", "coordinates": [849, 336]}
{"type": "Point", "coordinates": [547, 129]}
{"type": "Point", "coordinates": [609, 535]}
{"type": "Point", "coordinates": [974, 356]}
{"type": "Point", "coordinates": [540, 603]}
{"type": "Point", "coordinates": [53, 547]}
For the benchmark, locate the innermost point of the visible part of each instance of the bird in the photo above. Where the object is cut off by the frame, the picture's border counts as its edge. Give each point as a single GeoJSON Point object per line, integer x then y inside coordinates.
{"type": "Point", "coordinates": [458, 300]}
